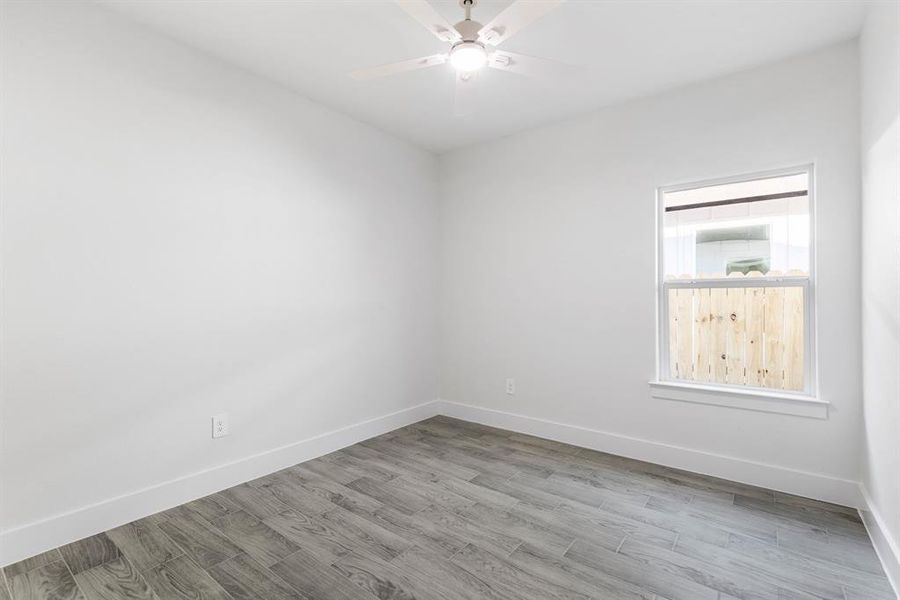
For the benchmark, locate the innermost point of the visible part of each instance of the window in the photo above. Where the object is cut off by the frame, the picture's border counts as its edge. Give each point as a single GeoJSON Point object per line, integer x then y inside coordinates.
{"type": "Point", "coordinates": [735, 295]}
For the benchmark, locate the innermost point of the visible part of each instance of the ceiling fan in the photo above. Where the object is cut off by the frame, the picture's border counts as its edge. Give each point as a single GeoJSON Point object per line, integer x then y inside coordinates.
{"type": "Point", "coordinates": [472, 45]}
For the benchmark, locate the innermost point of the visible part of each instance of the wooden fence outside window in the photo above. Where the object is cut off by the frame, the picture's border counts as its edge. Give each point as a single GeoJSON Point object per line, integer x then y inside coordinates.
{"type": "Point", "coordinates": [752, 336]}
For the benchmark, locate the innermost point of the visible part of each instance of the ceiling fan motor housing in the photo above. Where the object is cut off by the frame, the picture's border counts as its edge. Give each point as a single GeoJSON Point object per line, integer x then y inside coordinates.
{"type": "Point", "coordinates": [468, 29]}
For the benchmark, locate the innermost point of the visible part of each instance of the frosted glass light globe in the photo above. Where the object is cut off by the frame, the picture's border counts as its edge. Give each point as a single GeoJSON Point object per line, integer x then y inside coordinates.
{"type": "Point", "coordinates": [468, 57]}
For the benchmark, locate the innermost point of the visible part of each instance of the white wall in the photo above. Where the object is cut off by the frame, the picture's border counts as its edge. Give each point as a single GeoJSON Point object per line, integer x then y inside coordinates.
{"type": "Point", "coordinates": [179, 239]}
{"type": "Point", "coordinates": [880, 70]}
{"type": "Point", "coordinates": [548, 267]}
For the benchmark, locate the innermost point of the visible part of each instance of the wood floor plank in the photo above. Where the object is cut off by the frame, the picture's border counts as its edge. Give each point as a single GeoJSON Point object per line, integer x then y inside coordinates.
{"type": "Point", "coordinates": [334, 492]}
{"type": "Point", "coordinates": [255, 538]}
{"type": "Point", "coordinates": [329, 469]}
{"type": "Point", "coordinates": [373, 469]}
{"type": "Point", "coordinates": [144, 544]}
{"type": "Point", "coordinates": [518, 490]}
{"type": "Point", "coordinates": [214, 506]}
{"type": "Point", "coordinates": [655, 577]}
{"type": "Point", "coordinates": [199, 539]}
{"type": "Point", "coordinates": [89, 552]}
{"type": "Point", "coordinates": [311, 533]}
{"type": "Point", "coordinates": [516, 524]}
{"type": "Point", "coordinates": [432, 493]}
{"type": "Point", "coordinates": [181, 579]}
{"type": "Point", "coordinates": [390, 494]}
{"type": "Point", "coordinates": [778, 576]}
{"type": "Point", "coordinates": [315, 579]}
{"type": "Point", "coordinates": [477, 493]}
{"type": "Point", "coordinates": [498, 542]}
{"type": "Point", "coordinates": [380, 579]}
{"type": "Point", "coordinates": [596, 525]}
{"type": "Point", "coordinates": [422, 466]}
{"type": "Point", "coordinates": [573, 575]}
{"type": "Point", "coordinates": [803, 517]}
{"type": "Point", "coordinates": [451, 581]}
{"type": "Point", "coordinates": [712, 575]}
{"type": "Point", "coordinates": [290, 490]}
{"type": "Point", "coordinates": [245, 579]}
{"type": "Point", "coordinates": [114, 580]}
{"type": "Point", "coordinates": [809, 568]}
{"type": "Point", "coordinates": [51, 581]}
{"type": "Point", "coordinates": [515, 582]}
{"type": "Point", "coordinates": [4, 587]}
{"type": "Point", "coordinates": [841, 550]}
{"type": "Point", "coordinates": [417, 530]}
{"type": "Point", "coordinates": [258, 502]}
{"type": "Point", "coordinates": [39, 560]}
{"type": "Point", "coordinates": [372, 537]}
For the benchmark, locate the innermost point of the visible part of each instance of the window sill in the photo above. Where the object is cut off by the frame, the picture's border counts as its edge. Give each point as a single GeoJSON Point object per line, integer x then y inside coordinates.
{"type": "Point", "coordinates": [759, 400]}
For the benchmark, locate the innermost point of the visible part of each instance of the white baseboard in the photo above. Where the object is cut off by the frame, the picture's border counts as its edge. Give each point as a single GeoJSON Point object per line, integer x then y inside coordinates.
{"type": "Point", "coordinates": [887, 548]}
{"type": "Point", "coordinates": [33, 538]}
{"type": "Point", "coordinates": [801, 483]}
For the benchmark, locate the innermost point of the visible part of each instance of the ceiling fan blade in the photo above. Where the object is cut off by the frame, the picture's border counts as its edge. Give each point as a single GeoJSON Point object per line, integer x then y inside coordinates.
{"type": "Point", "coordinates": [399, 67]}
{"type": "Point", "coordinates": [513, 18]}
{"type": "Point", "coordinates": [532, 66]}
{"type": "Point", "coordinates": [464, 102]}
{"type": "Point", "coordinates": [424, 13]}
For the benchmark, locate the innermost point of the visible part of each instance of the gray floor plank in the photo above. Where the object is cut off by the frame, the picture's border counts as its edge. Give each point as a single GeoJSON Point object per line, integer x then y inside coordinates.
{"type": "Point", "coordinates": [334, 492]}
{"type": "Point", "coordinates": [573, 575]}
{"type": "Point", "coordinates": [181, 579]}
{"type": "Point", "coordinates": [311, 533]}
{"type": "Point", "coordinates": [448, 579]}
{"type": "Point", "coordinates": [89, 553]}
{"type": "Point", "coordinates": [390, 494]}
{"type": "Point", "coordinates": [114, 580]}
{"type": "Point", "coordinates": [214, 506]}
{"type": "Point", "coordinates": [515, 582]}
{"type": "Point", "coordinates": [374, 538]}
{"type": "Point", "coordinates": [245, 579]}
{"type": "Point", "coordinates": [255, 538]}
{"type": "Point", "coordinates": [380, 579]}
{"type": "Point", "coordinates": [657, 577]}
{"type": "Point", "coordinates": [51, 581]}
{"type": "Point", "coordinates": [258, 502]}
{"type": "Point", "coordinates": [418, 530]}
{"type": "Point", "coordinates": [144, 544]}
{"type": "Point", "coordinates": [471, 531]}
{"type": "Point", "coordinates": [39, 560]}
{"type": "Point", "coordinates": [316, 579]}
{"type": "Point", "coordinates": [4, 587]}
{"type": "Point", "coordinates": [199, 539]}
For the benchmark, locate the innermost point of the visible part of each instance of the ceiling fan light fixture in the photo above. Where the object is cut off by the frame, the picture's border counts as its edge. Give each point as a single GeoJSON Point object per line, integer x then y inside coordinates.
{"type": "Point", "coordinates": [468, 57]}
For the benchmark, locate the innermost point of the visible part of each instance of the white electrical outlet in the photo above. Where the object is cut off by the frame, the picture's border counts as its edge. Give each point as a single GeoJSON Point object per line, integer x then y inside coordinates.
{"type": "Point", "coordinates": [220, 427]}
{"type": "Point", "coordinates": [511, 386]}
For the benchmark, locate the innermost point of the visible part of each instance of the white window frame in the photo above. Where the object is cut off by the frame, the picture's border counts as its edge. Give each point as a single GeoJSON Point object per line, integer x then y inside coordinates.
{"type": "Point", "coordinates": [802, 403]}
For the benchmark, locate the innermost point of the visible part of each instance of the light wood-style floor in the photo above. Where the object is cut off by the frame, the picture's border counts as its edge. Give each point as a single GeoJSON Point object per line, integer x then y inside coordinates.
{"type": "Point", "coordinates": [448, 510]}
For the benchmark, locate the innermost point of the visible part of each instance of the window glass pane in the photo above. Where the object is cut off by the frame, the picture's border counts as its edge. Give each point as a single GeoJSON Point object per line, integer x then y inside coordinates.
{"type": "Point", "coordinates": [752, 226]}
{"type": "Point", "coordinates": [751, 336]}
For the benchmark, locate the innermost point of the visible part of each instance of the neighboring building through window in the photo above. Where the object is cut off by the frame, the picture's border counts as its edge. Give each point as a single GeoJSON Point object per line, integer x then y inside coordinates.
{"type": "Point", "coordinates": [736, 302]}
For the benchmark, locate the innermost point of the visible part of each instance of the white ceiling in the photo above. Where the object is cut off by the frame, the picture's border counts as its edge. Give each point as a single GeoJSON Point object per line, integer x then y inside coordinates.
{"type": "Point", "coordinates": [626, 48]}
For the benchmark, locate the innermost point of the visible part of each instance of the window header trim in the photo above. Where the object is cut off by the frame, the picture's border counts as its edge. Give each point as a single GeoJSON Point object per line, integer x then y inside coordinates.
{"type": "Point", "coordinates": [746, 199]}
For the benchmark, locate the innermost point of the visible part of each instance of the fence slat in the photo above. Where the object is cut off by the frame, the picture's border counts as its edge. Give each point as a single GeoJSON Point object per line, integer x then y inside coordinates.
{"type": "Point", "coordinates": [702, 331]}
{"type": "Point", "coordinates": [734, 336]}
{"type": "Point", "coordinates": [773, 330]}
{"type": "Point", "coordinates": [718, 348]}
{"type": "Point", "coordinates": [684, 325]}
{"type": "Point", "coordinates": [754, 298]}
{"type": "Point", "coordinates": [793, 338]}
